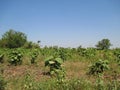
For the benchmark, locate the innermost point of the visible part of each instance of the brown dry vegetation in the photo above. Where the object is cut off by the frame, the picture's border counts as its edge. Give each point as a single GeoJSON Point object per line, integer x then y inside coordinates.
{"type": "Point", "coordinates": [74, 69]}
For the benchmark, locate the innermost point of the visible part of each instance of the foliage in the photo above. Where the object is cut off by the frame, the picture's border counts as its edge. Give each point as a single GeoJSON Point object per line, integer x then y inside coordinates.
{"type": "Point", "coordinates": [98, 67]}
{"type": "Point", "coordinates": [29, 45]}
{"type": "Point", "coordinates": [13, 39]}
{"type": "Point", "coordinates": [89, 52]}
{"type": "Point", "coordinates": [37, 81]}
{"type": "Point", "coordinates": [15, 58]}
{"type": "Point", "coordinates": [117, 54]}
{"type": "Point", "coordinates": [54, 64]}
{"type": "Point", "coordinates": [103, 44]}
{"type": "Point", "coordinates": [1, 58]}
{"type": "Point", "coordinates": [63, 54]}
{"type": "Point", "coordinates": [34, 56]}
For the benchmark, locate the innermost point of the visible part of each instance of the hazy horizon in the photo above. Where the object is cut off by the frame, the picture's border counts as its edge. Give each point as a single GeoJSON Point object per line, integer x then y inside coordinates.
{"type": "Point", "coordinates": [66, 23]}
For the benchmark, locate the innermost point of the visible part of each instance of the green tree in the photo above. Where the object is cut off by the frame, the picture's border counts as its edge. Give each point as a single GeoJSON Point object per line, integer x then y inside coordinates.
{"type": "Point", "coordinates": [103, 44]}
{"type": "Point", "coordinates": [13, 39]}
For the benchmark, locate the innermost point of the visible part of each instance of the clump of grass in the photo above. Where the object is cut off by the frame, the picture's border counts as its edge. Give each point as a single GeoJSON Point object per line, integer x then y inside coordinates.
{"type": "Point", "coordinates": [2, 83]}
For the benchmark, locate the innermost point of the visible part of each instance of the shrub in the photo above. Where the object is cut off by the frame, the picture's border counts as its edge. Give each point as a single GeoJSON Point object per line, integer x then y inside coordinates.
{"type": "Point", "coordinates": [98, 67]}
{"type": "Point", "coordinates": [33, 57]}
{"type": "Point", "coordinates": [54, 64]}
{"type": "Point", "coordinates": [15, 58]}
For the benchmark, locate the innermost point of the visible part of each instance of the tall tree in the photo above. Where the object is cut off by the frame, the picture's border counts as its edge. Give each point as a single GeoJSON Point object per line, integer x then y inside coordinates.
{"type": "Point", "coordinates": [103, 44]}
{"type": "Point", "coordinates": [13, 39]}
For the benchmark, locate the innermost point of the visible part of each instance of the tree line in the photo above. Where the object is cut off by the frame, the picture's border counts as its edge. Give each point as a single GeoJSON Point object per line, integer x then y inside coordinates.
{"type": "Point", "coordinates": [16, 39]}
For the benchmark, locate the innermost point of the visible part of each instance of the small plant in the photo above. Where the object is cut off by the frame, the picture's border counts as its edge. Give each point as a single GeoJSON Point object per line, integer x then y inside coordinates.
{"type": "Point", "coordinates": [54, 64]}
{"type": "Point", "coordinates": [97, 69]}
{"type": "Point", "coordinates": [33, 57]}
{"type": "Point", "coordinates": [15, 58]}
{"type": "Point", "coordinates": [1, 58]}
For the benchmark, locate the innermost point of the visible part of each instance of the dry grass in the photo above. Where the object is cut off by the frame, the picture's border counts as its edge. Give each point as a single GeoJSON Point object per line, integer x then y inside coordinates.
{"type": "Point", "coordinates": [75, 69]}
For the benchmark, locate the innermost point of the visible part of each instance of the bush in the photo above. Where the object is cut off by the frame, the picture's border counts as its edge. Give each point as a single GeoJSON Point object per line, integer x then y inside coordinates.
{"type": "Point", "coordinates": [34, 56]}
{"type": "Point", "coordinates": [54, 64]}
{"type": "Point", "coordinates": [98, 67]}
{"type": "Point", "coordinates": [15, 58]}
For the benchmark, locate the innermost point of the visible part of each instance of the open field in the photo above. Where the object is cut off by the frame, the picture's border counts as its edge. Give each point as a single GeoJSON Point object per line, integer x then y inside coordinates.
{"type": "Point", "coordinates": [35, 76]}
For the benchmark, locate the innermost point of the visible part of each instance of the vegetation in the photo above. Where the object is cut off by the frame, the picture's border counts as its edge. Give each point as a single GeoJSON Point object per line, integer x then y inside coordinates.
{"type": "Point", "coordinates": [99, 67]}
{"type": "Point", "coordinates": [13, 39]}
{"type": "Point", "coordinates": [24, 68]}
{"type": "Point", "coordinates": [54, 64]}
{"type": "Point", "coordinates": [2, 83]}
{"type": "Point", "coordinates": [15, 58]}
{"type": "Point", "coordinates": [30, 45]}
{"type": "Point", "coordinates": [1, 58]}
{"type": "Point", "coordinates": [103, 44]}
{"type": "Point", "coordinates": [34, 56]}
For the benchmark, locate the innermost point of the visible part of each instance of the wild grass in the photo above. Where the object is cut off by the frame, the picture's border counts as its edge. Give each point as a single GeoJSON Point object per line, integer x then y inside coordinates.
{"type": "Point", "coordinates": [35, 77]}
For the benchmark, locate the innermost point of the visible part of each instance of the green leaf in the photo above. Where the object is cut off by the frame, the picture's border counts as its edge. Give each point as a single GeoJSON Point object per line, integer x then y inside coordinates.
{"type": "Point", "coordinates": [49, 58]}
{"type": "Point", "coordinates": [59, 60]}
{"type": "Point", "coordinates": [51, 62]}
{"type": "Point", "coordinates": [47, 63]}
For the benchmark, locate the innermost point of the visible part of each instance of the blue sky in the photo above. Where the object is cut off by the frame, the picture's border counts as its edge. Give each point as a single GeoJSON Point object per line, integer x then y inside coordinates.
{"type": "Point", "coordinates": [67, 23]}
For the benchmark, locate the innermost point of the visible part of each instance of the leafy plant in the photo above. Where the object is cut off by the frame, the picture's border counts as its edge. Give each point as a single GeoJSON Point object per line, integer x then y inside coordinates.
{"type": "Point", "coordinates": [15, 58]}
{"type": "Point", "coordinates": [54, 64]}
{"type": "Point", "coordinates": [33, 57]}
{"type": "Point", "coordinates": [98, 67]}
{"type": "Point", "coordinates": [63, 54]}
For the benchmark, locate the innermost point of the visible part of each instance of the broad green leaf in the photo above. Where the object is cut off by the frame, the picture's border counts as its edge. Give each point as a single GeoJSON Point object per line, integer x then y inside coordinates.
{"type": "Point", "coordinates": [49, 58]}
{"type": "Point", "coordinates": [59, 60]}
{"type": "Point", "coordinates": [51, 62]}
